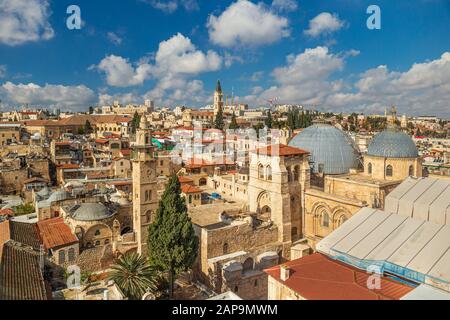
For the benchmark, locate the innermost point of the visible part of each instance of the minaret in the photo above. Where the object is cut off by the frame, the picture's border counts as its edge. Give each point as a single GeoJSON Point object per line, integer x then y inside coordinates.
{"type": "Point", "coordinates": [145, 198]}
{"type": "Point", "coordinates": [218, 98]}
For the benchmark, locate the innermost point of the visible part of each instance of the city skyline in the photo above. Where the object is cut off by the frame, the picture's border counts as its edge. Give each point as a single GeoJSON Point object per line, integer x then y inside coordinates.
{"type": "Point", "coordinates": [173, 52]}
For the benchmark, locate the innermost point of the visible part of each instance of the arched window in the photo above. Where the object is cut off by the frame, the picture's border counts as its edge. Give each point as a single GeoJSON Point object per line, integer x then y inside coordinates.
{"type": "Point", "coordinates": [342, 219]}
{"type": "Point", "coordinates": [248, 264]}
{"type": "Point", "coordinates": [325, 219]}
{"type": "Point", "coordinates": [296, 173]}
{"type": "Point", "coordinates": [97, 243]}
{"type": "Point", "coordinates": [289, 174]}
{"type": "Point", "coordinates": [321, 167]}
{"type": "Point", "coordinates": [260, 171]}
{"type": "Point", "coordinates": [269, 173]}
{"type": "Point", "coordinates": [107, 242]}
{"type": "Point", "coordinates": [190, 198]}
{"type": "Point", "coordinates": [225, 248]}
{"type": "Point", "coordinates": [389, 171]}
{"type": "Point", "coordinates": [369, 168]}
{"type": "Point", "coordinates": [411, 170]}
{"type": "Point", "coordinates": [97, 232]}
{"type": "Point", "coordinates": [71, 254]}
{"type": "Point", "coordinates": [61, 257]}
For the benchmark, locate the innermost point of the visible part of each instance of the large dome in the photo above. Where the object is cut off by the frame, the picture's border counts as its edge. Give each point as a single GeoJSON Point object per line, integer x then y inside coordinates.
{"type": "Point", "coordinates": [91, 212]}
{"type": "Point", "coordinates": [392, 144]}
{"type": "Point", "coordinates": [330, 148]}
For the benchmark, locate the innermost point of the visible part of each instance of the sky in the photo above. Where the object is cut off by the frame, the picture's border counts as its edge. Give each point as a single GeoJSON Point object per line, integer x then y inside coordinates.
{"type": "Point", "coordinates": [317, 53]}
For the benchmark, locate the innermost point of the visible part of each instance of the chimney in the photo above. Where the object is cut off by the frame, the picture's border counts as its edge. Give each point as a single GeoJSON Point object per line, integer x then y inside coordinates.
{"type": "Point", "coordinates": [285, 272]}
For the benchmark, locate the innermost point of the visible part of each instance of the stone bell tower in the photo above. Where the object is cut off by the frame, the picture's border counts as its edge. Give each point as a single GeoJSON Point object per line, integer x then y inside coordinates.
{"type": "Point", "coordinates": [218, 99]}
{"type": "Point", "coordinates": [145, 198]}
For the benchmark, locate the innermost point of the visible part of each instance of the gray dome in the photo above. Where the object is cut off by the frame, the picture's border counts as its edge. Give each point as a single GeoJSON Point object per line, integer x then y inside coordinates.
{"type": "Point", "coordinates": [328, 146]}
{"type": "Point", "coordinates": [91, 212]}
{"type": "Point", "coordinates": [392, 144]}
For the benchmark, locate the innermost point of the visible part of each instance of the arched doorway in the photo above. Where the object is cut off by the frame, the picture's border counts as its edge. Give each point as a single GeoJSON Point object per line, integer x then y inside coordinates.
{"type": "Point", "coordinates": [248, 265]}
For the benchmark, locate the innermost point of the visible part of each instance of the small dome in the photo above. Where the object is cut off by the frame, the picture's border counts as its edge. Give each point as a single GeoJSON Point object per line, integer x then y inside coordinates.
{"type": "Point", "coordinates": [392, 144]}
{"type": "Point", "coordinates": [329, 146]}
{"type": "Point", "coordinates": [91, 212]}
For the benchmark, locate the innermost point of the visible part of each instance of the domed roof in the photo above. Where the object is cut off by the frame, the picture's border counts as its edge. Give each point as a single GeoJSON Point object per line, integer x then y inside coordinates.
{"type": "Point", "coordinates": [91, 212]}
{"type": "Point", "coordinates": [392, 143]}
{"type": "Point", "coordinates": [329, 146]}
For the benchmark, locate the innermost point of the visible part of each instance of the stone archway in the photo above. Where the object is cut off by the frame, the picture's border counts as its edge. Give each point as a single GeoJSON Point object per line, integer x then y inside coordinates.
{"type": "Point", "coordinates": [322, 219]}
{"type": "Point", "coordinates": [264, 206]}
{"type": "Point", "coordinates": [340, 215]}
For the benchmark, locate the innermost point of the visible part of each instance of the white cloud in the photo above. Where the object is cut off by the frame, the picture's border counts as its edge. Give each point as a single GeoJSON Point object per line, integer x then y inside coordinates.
{"type": "Point", "coordinates": [423, 88]}
{"type": "Point", "coordinates": [247, 24]}
{"type": "Point", "coordinates": [114, 38]}
{"type": "Point", "coordinates": [68, 97]}
{"type": "Point", "coordinates": [23, 21]}
{"type": "Point", "coordinates": [169, 6]}
{"type": "Point", "coordinates": [175, 62]}
{"type": "Point", "coordinates": [324, 23]}
{"type": "Point", "coordinates": [285, 5]}
{"type": "Point", "coordinates": [310, 78]}
{"type": "Point", "coordinates": [121, 73]}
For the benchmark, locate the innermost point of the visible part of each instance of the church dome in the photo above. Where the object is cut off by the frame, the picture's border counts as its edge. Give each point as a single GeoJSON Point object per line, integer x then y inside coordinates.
{"type": "Point", "coordinates": [332, 151]}
{"type": "Point", "coordinates": [91, 212]}
{"type": "Point", "coordinates": [392, 143]}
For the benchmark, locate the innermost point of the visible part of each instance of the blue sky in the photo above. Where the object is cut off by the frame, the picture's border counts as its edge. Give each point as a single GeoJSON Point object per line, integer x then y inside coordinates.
{"type": "Point", "coordinates": [317, 53]}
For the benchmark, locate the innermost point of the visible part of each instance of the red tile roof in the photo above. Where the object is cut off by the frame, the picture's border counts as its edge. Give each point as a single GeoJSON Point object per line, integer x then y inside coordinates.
{"type": "Point", "coordinates": [190, 189]}
{"type": "Point", "coordinates": [32, 180]}
{"type": "Point", "coordinates": [317, 277]}
{"type": "Point", "coordinates": [184, 179]}
{"type": "Point", "coordinates": [101, 141]}
{"type": "Point", "coordinates": [125, 152]}
{"type": "Point", "coordinates": [7, 212]}
{"type": "Point", "coordinates": [280, 149]}
{"type": "Point", "coordinates": [68, 166]}
{"type": "Point", "coordinates": [55, 233]}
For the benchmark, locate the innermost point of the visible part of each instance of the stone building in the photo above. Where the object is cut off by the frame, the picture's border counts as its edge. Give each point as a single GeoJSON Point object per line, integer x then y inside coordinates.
{"type": "Point", "coordinates": [145, 197]}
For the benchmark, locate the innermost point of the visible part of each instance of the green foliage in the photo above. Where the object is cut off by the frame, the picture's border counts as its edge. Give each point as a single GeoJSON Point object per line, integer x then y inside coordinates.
{"type": "Point", "coordinates": [91, 110]}
{"type": "Point", "coordinates": [135, 122]}
{"type": "Point", "coordinates": [297, 119]}
{"type": "Point", "coordinates": [269, 121]}
{"type": "Point", "coordinates": [23, 209]}
{"type": "Point", "coordinates": [88, 127]}
{"type": "Point", "coordinates": [172, 243]}
{"type": "Point", "coordinates": [233, 124]}
{"type": "Point", "coordinates": [218, 122]}
{"type": "Point", "coordinates": [134, 276]}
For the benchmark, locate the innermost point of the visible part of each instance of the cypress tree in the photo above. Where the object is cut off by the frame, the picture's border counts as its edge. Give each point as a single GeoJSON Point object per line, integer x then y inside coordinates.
{"type": "Point", "coordinates": [172, 243]}
{"type": "Point", "coordinates": [233, 124]}
{"type": "Point", "coordinates": [218, 122]}
{"type": "Point", "coordinates": [269, 121]}
{"type": "Point", "coordinates": [135, 122]}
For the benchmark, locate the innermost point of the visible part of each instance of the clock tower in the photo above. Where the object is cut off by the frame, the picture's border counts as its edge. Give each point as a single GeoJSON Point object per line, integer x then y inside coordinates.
{"type": "Point", "coordinates": [145, 197]}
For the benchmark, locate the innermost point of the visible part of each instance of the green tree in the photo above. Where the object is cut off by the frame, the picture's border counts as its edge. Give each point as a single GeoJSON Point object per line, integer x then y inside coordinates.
{"type": "Point", "coordinates": [88, 127]}
{"type": "Point", "coordinates": [135, 122]}
{"type": "Point", "coordinates": [23, 209]}
{"type": "Point", "coordinates": [269, 121]}
{"type": "Point", "coordinates": [91, 110]}
{"type": "Point", "coordinates": [218, 122]}
{"type": "Point", "coordinates": [233, 124]}
{"type": "Point", "coordinates": [133, 275]}
{"type": "Point", "coordinates": [172, 243]}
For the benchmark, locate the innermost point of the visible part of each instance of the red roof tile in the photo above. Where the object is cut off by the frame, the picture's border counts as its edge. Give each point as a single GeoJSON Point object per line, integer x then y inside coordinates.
{"type": "Point", "coordinates": [184, 179]}
{"type": "Point", "coordinates": [317, 277]}
{"type": "Point", "coordinates": [55, 233]}
{"type": "Point", "coordinates": [280, 149]}
{"type": "Point", "coordinates": [190, 189]}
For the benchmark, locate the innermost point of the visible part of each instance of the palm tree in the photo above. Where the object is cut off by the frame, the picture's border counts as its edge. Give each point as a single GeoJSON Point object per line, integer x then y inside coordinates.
{"type": "Point", "coordinates": [133, 275]}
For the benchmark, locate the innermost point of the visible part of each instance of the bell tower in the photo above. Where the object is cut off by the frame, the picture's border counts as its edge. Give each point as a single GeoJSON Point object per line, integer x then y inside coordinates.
{"type": "Point", "coordinates": [218, 98]}
{"type": "Point", "coordinates": [145, 198]}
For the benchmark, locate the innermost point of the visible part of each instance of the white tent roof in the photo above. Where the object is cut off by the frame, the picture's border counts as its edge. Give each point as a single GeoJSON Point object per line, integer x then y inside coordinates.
{"type": "Point", "coordinates": [427, 199]}
{"type": "Point", "coordinates": [409, 243]}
